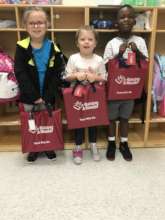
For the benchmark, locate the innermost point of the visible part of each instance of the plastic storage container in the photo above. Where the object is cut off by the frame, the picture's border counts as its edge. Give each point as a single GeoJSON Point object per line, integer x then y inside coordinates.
{"type": "Point", "coordinates": [139, 2]}
{"type": "Point", "coordinates": [129, 2]}
{"type": "Point", "coordinates": [153, 2]}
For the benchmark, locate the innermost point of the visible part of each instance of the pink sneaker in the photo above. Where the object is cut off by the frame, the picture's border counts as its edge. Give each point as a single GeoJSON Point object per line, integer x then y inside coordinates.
{"type": "Point", "coordinates": [77, 156]}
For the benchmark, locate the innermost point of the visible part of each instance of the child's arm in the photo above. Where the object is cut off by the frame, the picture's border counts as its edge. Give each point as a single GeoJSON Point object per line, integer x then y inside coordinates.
{"type": "Point", "coordinates": [140, 53]}
{"type": "Point", "coordinates": [113, 50]}
{"type": "Point", "coordinates": [93, 77]}
{"type": "Point", "coordinates": [26, 85]}
{"type": "Point", "coordinates": [71, 74]}
{"type": "Point", "coordinates": [39, 101]}
{"type": "Point", "coordinates": [122, 49]}
{"type": "Point", "coordinates": [101, 74]}
{"type": "Point", "coordinates": [76, 76]}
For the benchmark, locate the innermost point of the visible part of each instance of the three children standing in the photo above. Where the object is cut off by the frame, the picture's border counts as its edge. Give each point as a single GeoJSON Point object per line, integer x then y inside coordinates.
{"type": "Point", "coordinates": [38, 65]}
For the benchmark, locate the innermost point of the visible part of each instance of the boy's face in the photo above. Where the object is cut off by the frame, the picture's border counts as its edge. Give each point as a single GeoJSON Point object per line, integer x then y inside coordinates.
{"type": "Point", "coordinates": [126, 20]}
{"type": "Point", "coordinates": [37, 24]}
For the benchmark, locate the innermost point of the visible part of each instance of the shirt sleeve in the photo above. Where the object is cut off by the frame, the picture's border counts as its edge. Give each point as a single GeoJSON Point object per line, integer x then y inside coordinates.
{"type": "Point", "coordinates": [70, 67]}
{"type": "Point", "coordinates": [26, 84]}
{"type": "Point", "coordinates": [143, 48]}
{"type": "Point", "coordinates": [108, 53]}
{"type": "Point", "coordinates": [102, 70]}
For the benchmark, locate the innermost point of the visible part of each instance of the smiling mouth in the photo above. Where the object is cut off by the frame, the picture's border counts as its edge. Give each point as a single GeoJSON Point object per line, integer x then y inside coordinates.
{"type": "Point", "coordinates": [126, 24]}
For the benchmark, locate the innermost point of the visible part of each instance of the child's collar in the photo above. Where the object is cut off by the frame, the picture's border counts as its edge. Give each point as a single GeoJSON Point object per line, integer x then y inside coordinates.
{"type": "Point", "coordinates": [123, 39]}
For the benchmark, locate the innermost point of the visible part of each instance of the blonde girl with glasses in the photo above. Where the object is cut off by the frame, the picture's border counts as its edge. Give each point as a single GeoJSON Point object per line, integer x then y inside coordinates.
{"type": "Point", "coordinates": [38, 64]}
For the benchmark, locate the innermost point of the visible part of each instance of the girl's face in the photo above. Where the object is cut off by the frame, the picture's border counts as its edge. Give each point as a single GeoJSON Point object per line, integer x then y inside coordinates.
{"type": "Point", "coordinates": [86, 42]}
{"type": "Point", "coordinates": [36, 25]}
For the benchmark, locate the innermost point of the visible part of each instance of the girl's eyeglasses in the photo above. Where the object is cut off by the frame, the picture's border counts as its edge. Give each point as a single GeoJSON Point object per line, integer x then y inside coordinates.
{"type": "Point", "coordinates": [37, 24]}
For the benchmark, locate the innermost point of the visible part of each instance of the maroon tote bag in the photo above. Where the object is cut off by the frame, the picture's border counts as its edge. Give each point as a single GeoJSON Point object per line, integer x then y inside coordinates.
{"type": "Point", "coordinates": [47, 134]}
{"type": "Point", "coordinates": [88, 110]}
{"type": "Point", "coordinates": [126, 83]}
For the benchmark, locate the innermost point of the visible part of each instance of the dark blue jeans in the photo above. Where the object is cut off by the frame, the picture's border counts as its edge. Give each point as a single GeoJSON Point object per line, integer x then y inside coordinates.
{"type": "Point", "coordinates": [79, 135]}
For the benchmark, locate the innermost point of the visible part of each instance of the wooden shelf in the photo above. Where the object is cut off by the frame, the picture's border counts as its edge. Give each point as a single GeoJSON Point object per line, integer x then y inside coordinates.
{"type": "Point", "coordinates": [10, 139]}
{"type": "Point", "coordinates": [135, 119]}
{"type": "Point", "coordinates": [10, 119]}
{"type": "Point", "coordinates": [8, 29]}
{"type": "Point", "coordinates": [136, 135]}
{"type": "Point", "coordinates": [75, 29]}
{"type": "Point", "coordinates": [155, 118]}
{"type": "Point", "coordinates": [160, 31]}
{"type": "Point", "coordinates": [156, 136]}
{"type": "Point", "coordinates": [7, 7]}
{"type": "Point", "coordinates": [64, 30]}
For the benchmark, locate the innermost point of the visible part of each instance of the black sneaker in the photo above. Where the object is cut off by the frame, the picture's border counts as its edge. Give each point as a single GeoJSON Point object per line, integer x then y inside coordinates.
{"type": "Point", "coordinates": [111, 149]}
{"type": "Point", "coordinates": [32, 156]}
{"type": "Point", "coordinates": [125, 151]}
{"type": "Point", "coordinates": [51, 155]}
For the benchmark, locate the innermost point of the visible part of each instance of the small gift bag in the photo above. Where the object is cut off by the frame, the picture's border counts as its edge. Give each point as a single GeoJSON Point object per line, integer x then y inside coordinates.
{"type": "Point", "coordinates": [85, 106]}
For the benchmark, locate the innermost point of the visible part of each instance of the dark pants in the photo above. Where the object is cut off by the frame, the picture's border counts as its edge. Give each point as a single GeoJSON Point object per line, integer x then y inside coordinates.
{"type": "Point", "coordinates": [79, 135]}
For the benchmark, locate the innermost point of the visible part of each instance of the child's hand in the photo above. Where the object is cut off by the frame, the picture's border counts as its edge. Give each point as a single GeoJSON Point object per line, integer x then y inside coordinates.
{"type": "Point", "coordinates": [81, 76]}
{"type": "Point", "coordinates": [91, 75]}
{"type": "Point", "coordinates": [122, 48]}
{"type": "Point", "coordinates": [133, 46]}
{"type": "Point", "coordinates": [39, 101]}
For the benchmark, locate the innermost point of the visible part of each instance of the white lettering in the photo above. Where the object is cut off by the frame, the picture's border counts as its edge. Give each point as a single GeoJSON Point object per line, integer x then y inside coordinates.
{"type": "Point", "coordinates": [86, 105]}
{"type": "Point", "coordinates": [88, 118]}
{"type": "Point", "coordinates": [121, 79]}
{"type": "Point", "coordinates": [41, 142]}
{"type": "Point", "coordinates": [42, 130]}
{"type": "Point", "coordinates": [124, 92]}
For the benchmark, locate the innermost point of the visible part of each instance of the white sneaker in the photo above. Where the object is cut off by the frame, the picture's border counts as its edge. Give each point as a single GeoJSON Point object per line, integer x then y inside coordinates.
{"type": "Point", "coordinates": [95, 152]}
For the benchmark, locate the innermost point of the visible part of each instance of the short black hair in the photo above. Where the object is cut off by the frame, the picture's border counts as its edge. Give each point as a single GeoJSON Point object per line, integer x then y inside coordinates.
{"type": "Point", "coordinates": [126, 6]}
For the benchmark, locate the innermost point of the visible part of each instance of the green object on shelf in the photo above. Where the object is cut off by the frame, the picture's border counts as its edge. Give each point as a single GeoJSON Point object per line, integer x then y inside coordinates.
{"type": "Point", "coordinates": [142, 2]}
{"type": "Point", "coordinates": [153, 2]}
{"type": "Point", "coordinates": [129, 2]}
{"type": "Point", "coordinates": [139, 2]}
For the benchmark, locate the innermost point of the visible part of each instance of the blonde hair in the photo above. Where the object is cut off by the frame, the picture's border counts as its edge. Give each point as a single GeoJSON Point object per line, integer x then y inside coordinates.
{"type": "Point", "coordinates": [29, 10]}
{"type": "Point", "coordinates": [86, 28]}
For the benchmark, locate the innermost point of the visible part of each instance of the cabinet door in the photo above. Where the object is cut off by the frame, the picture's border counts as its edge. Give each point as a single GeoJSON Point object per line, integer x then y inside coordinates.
{"type": "Point", "coordinates": [68, 18]}
{"type": "Point", "coordinates": [8, 32]}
